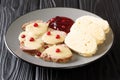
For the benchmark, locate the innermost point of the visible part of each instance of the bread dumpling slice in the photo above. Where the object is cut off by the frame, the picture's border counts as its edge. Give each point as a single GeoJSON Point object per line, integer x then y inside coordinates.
{"type": "Point", "coordinates": [36, 27]}
{"type": "Point", "coordinates": [57, 53]}
{"type": "Point", "coordinates": [97, 32]}
{"type": "Point", "coordinates": [33, 43]}
{"type": "Point", "coordinates": [103, 24]}
{"type": "Point", "coordinates": [92, 29]}
{"type": "Point", "coordinates": [87, 19]}
{"type": "Point", "coordinates": [29, 41]}
{"type": "Point", "coordinates": [54, 37]}
{"type": "Point", "coordinates": [83, 44]}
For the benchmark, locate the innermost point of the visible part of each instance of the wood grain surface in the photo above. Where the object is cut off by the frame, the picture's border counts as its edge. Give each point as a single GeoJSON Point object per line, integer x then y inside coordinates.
{"type": "Point", "coordinates": [106, 68]}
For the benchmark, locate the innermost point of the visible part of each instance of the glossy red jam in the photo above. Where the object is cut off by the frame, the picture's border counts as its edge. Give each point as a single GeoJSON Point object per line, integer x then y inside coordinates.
{"type": "Point", "coordinates": [61, 23]}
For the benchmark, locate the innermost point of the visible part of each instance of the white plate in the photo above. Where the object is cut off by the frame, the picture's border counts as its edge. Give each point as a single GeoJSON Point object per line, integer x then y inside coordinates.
{"type": "Point", "coordinates": [12, 42]}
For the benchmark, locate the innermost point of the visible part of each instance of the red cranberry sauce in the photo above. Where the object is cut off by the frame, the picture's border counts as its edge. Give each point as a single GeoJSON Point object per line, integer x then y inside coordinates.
{"type": "Point", "coordinates": [61, 23]}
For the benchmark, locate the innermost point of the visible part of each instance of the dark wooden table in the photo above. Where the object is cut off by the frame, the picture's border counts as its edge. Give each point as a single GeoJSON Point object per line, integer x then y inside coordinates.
{"type": "Point", "coordinates": [106, 68]}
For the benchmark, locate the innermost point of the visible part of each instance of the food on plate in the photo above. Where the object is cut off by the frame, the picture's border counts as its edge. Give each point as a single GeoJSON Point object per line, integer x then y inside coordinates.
{"type": "Point", "coordinates": [57, 53]}
{"type": "Point", "coordinates": [95, 31]}
{"type": "Point", "coordinates": [84, 44]}
{"type": "Point", "coordinates": [29, 42]}
{"type": "Point", "coordinates": [86, 34]}
{"type": "Point", "coordinates": [61, 23]}
{"type": "Point", "coordinates": [86, 20]}
{"type": "Point", "coordinates": [30, 39]}
{"type": "Point", "coordinates": [54, 37]}
{"type": "Point", "coordinates": [37, 37]}
{"type": "Point", "coordinates": [37, 27]}
{"type": "Point", "coordinates": [33, 43]}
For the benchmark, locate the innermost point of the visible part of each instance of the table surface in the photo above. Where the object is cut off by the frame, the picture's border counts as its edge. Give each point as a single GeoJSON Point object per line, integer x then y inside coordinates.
{"type": "Point", "coordinates": [105, 68]}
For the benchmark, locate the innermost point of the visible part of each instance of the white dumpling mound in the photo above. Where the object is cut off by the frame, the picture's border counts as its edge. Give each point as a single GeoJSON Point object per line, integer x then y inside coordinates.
{"type": "Point", "coordinates": [37, 27]}
{"type": "Point", "coordinates": [36, 44]}
{"type": "Point", "coordinates": [82, 43]}
{"type": "Point", "coordinates": [92, 29]}
{"type": "Point", "coordinates": [87, 19]}
{"type": "Point", "coordinates": [57, 53]}
{"type": "Point", "coordinates": [96, 27]}
{"type": "Point", "coordinates": [54, 37]}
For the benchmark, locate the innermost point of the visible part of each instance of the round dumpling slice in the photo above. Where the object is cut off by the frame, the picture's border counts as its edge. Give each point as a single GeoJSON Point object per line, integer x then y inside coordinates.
{"type": "Point", "coordinates": [86, 20]}
{"type": "Point", "coordinates": [97, 32]}
{"type": "Point", "coordinates": [92, 29]}
{"type": "Point", "coordinates": [33, 43]}
{"type": "Point", "coordinates": [103, 24]}
{"type": "Point", "coordinates": [57, 53]}
{"type": "Point", "coordinates": [82, 43]}
{"type": "Point", "coordinates": [54, 37]}
{"type": "Point", "coordinates": [36, 27]}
